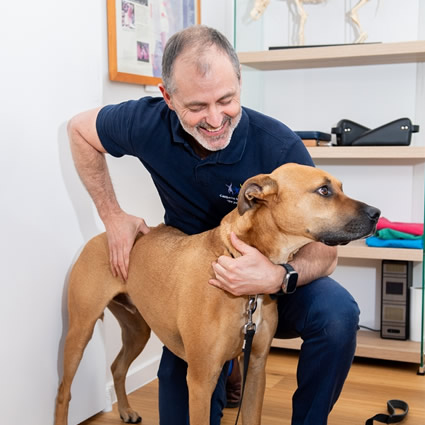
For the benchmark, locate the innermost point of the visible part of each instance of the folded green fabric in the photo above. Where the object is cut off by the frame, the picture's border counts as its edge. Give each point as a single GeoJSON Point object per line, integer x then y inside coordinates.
{"type": "Point", "coordinates": [395, 234]}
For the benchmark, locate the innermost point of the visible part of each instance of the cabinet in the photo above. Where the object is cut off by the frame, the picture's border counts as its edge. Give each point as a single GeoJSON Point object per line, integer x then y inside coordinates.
{"type": "Point", "coordinates": [369, 344]}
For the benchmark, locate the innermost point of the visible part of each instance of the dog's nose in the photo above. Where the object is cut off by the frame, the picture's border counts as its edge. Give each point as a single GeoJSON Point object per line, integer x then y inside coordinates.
{"type": "Point", "coordinates": [372, 212]}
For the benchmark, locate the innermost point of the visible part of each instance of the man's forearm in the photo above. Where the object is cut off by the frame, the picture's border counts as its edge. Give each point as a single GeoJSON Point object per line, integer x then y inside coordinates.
{"type": "Point", "coordinates": [93, 170]}
{"type": "Point", "coordinates": [314, 260]}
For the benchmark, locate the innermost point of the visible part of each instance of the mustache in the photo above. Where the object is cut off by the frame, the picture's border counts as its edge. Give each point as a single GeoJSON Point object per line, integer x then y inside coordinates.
{"type": "Point", "coordinates": [206, 126]}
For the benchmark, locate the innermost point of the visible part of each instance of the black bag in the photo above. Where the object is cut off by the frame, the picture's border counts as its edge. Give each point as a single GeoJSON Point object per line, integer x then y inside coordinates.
{"type": "Point", "coordinates": [395, 133]}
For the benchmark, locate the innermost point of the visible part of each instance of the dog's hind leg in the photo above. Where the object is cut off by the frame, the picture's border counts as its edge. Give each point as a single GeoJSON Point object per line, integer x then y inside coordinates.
{"type": "Point", "coordinates": [81, 325]}
{"type": "Point", "coordinates": [135, 335]}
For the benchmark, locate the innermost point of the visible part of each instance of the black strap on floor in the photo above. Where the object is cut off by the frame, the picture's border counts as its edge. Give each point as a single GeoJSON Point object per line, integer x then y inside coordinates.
{"type": "Point", "coordinates": [249, 336]}
{"type": "Point", "coordinates": [393, 417]}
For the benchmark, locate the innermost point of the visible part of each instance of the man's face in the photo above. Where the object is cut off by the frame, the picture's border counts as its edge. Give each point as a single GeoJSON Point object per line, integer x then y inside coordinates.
{"type": "Point", "coordinates": [208, 106]}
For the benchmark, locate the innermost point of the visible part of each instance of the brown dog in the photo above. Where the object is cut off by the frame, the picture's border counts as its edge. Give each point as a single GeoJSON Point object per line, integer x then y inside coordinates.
{"type": "Point", "coordinates": [277, 213]}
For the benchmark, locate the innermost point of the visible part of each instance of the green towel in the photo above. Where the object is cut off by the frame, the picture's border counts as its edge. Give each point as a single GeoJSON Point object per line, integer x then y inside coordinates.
{"type": "Point", "coordinates": [395, 234]}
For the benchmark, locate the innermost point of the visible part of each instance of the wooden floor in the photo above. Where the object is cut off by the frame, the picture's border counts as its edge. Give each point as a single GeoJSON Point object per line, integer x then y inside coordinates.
{"type": "Point", "coordinates": [368, 387]}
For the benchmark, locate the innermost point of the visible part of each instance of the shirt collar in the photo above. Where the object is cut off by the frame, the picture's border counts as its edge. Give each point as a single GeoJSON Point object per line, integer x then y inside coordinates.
{"type": "Point", "coordinates": [231, 154]}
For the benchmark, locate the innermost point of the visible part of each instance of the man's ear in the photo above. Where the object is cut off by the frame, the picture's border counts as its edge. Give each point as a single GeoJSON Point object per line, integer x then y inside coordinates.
{"type": "Point", "coordinates": [256, 191]}
{"type": "Point", "coordinates": [166, 96]}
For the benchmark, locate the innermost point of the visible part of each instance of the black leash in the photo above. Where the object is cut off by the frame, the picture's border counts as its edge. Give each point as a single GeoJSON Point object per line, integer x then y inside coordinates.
{"type": "Point", "coordinates": [393, 417]}
{"type": "Point", "coordinates": [249, 330]}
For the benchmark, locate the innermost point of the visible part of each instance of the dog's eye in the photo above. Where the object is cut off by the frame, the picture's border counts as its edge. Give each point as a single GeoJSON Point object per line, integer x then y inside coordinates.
{"type": "Point", "coordinates": [324, 191]}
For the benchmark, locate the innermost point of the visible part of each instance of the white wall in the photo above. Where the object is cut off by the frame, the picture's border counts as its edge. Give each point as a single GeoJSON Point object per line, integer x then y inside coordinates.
{"type": "Point", "coordinates": [49, 72]}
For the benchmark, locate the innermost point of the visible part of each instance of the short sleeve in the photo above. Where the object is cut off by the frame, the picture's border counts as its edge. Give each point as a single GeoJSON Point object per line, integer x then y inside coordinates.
{"type": "Point", "coordinates": [114, 127]}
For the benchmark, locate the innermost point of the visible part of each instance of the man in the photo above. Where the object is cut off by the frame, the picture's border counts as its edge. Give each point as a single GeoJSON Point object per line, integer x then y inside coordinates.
{"type": "Point", "coordinates": [200, 145]}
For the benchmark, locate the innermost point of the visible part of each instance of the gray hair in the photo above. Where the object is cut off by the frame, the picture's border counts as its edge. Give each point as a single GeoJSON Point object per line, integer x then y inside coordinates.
{"type": "Point", "coordinates": [198, 38]}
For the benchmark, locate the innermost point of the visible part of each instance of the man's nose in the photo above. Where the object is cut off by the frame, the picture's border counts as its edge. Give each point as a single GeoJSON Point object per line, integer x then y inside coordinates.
{"type": "Point", "coordinates": [215, 116]}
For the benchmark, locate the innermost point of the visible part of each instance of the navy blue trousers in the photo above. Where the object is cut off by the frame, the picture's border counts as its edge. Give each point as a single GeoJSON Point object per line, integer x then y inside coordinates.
{"type": "Point", "coordinates": [326, 317]}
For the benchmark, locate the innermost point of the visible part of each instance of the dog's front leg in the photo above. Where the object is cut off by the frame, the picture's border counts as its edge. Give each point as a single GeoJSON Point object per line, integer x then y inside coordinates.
{"type": "Point", "coordinates": [252, 403]}
{"type": "Point", "coordinates": [253, 398]}
{"type": "Point", "coordinates": [202, 377]}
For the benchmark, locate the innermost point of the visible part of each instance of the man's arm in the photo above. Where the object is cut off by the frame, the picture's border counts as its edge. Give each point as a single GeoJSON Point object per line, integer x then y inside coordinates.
{"type": "Point", "coordinates": [253, 273]}
{"type": "Point", "coordinates": [89, 158]}
{"type": "Point", "coordinates": [314, 260]}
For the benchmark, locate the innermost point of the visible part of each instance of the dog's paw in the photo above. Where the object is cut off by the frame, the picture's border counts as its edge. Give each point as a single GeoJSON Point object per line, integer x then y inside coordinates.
{"type": "Point", "coordinates": [129, 416]}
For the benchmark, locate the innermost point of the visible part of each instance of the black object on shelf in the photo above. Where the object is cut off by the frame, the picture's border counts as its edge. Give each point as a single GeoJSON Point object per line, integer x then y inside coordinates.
{"type": "Point", "coordinates": [395, 133]}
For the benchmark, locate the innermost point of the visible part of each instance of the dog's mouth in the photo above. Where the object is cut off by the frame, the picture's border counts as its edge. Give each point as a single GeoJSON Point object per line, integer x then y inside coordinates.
{"type": "Point", "coordinates": [358, 228]}
{"type": "Point", "coordinates": [333, 240]}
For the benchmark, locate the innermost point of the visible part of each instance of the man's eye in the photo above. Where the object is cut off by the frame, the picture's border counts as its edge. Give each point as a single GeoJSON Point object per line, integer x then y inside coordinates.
{"type": "Point", "coordinates": [196, 109]}
{"type": "Point", "coordinates": [225, 101]}
{"type": "Point", "coordinates": [324, 191]}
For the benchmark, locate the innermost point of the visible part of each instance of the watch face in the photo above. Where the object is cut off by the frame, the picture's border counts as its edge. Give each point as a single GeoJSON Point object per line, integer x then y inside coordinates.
{"type": "Point", "coordinates": [292, 279]}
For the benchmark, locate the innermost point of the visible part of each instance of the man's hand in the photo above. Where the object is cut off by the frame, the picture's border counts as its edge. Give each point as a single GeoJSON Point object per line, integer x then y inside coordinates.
{"type": "Point", "coordinates": [250, 274]}
{"type": "Point", "coordinates": [253, 273]}
{"type": "Point", "coordinates": [122, 229]}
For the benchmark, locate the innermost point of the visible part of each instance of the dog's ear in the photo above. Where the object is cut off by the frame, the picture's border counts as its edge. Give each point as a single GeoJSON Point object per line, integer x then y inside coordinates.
{"type": "Point", "coordinates": [254, 191]}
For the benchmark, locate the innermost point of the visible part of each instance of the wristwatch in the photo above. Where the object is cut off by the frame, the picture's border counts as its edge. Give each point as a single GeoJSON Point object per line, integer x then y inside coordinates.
{"type": "Point", "coordinates": [289, 283]}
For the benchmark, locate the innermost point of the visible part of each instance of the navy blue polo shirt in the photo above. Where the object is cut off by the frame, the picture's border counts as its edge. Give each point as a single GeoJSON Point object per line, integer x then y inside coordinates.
{"type": "Point", "coordinates": [196, 193]}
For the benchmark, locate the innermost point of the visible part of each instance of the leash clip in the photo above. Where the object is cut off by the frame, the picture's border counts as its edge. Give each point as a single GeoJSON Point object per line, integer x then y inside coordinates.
{"type": "Point", "coordinates": [252, 306]}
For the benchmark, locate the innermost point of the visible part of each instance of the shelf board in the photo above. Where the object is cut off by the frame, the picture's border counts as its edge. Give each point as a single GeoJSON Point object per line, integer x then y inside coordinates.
{"type": "Point", "coordinates": [371, 345]}
{"type": "Point", "coordinates": [332, 56]}
{"type": "Point", "coordinates": [414, 153]}
{"type": "Point", "coordinates": [359, 249]}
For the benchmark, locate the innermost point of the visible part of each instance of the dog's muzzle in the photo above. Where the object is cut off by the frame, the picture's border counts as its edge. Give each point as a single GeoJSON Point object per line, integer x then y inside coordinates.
{"type": "Point", "coordinates": [361, 225]}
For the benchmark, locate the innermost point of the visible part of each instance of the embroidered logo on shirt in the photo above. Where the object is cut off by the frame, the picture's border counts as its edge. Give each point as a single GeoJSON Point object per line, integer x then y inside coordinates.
{"type": "Point", "coordinates": [232, 193]}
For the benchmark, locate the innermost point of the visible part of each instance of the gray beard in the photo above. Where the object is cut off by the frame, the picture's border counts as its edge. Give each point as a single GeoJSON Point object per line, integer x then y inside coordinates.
{"type": "Point", "coordinates": [204, 143]}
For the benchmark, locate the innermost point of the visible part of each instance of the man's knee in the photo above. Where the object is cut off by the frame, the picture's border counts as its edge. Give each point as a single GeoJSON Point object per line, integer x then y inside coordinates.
{"type": "Point", "coordinates": [334, 312]}
{"type": "Point", "coordinates": [171, 368]}
{"type": "Point", "coordinates": [322, 308]}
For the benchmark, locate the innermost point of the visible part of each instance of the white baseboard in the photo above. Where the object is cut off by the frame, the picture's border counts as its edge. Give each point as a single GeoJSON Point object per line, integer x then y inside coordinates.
{"type": "Point", "coordinates": [137, 377]}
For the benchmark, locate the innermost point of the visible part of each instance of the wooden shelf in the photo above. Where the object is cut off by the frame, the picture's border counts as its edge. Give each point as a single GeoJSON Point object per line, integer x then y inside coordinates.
{"type": "Point", "coordinates": [413, 153]}
{"type": "Point", "coordinates": [371, 345]}
{"type": "Point", "coordinates": [332, 56]}
{"type": "Point", "coordinates": [359, 249]}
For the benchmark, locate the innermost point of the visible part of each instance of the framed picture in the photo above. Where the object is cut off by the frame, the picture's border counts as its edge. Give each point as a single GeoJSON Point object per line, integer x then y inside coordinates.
{"type": "Point", "coordinates": [137, 33]}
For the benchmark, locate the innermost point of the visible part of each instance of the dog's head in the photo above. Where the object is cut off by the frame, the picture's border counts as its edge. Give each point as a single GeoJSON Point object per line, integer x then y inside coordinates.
{"type": "Point", "coordinates": [307, 202]}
